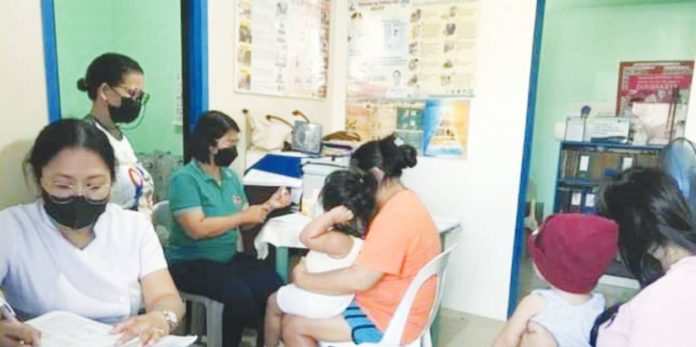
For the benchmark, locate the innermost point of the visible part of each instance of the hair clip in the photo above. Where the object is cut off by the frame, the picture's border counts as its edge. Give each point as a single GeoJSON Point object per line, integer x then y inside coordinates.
{"type": "Point", "coordinates": [398, 141]}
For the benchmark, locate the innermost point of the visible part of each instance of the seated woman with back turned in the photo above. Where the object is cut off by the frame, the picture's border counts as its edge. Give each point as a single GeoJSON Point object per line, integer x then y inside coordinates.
{"type": "Point", "coordinates": [657, 242]}
{"type": "Point", "coordinates": [400, 240]}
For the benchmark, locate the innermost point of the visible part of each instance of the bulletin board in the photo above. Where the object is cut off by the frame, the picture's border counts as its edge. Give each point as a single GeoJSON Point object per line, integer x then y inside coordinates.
{"type": "Point", "coordinates": [282, 47]}
{"type": "Point", "coordinates": [404, 49]}
{"type": "Point", "coordinates": [655, 94]}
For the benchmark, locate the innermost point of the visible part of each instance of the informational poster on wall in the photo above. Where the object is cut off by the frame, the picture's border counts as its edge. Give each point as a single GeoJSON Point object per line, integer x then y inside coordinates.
{"type": "Point", "coordinates": [437, 127]}
{"type": "Point", "coordinates": [405, 49]}
{"type": "Point", "coordinates": [283, 47]}
{"type": "Point", "coordinates": [655, 95]}
{"type": "Point", "coordinates": [446, 128]}
{"type": "Point", "coordinates": [371, 119]}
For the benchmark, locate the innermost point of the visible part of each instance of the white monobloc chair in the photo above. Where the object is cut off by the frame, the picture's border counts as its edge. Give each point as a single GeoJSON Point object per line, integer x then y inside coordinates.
{"type": "Point", "coordinates": [203, 310]}
{"type": "Point", "coordinates": [395, 330]}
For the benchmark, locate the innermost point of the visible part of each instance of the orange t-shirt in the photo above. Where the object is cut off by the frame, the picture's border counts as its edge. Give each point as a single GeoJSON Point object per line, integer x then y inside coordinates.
{"type": "Point", "coordinates": [401, 239]}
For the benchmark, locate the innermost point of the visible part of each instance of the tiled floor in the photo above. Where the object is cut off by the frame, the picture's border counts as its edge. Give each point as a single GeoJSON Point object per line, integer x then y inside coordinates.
{"type": "Point", "coordinates": [466, 330]}
{"type": "Point", "coordinates": [456, 330]}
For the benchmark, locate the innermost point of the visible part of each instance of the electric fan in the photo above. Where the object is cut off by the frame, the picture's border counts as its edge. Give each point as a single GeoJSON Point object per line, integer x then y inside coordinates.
{"type": "Point", "coordinates": [678, 159]}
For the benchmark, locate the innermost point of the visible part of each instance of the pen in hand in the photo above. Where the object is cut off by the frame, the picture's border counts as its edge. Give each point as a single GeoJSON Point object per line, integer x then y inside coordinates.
{"type": "Point", "coordinates": [15, 330]}
{"type": "Point", "coordinates": [7, 311]}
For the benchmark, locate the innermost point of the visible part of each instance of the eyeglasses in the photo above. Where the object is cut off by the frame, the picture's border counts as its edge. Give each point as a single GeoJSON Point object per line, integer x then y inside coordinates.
{"type": "Point", "coordinates": [94, 192]}
{"type": "Point", "coordinates": [136, 94]}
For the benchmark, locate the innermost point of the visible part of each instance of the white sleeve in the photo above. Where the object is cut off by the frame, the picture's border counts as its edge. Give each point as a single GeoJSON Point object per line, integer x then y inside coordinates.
{"type": "Point", "coordinates": [151, 254]}
{"type": "Point", "coordinates": [7, 241]}
{"type": "Point", "coordinates": [4, 259]}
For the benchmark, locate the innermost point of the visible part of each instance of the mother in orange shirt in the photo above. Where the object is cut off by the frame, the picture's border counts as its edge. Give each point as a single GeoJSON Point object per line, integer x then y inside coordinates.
{"type": "Point", "coordinates": [400, 240]}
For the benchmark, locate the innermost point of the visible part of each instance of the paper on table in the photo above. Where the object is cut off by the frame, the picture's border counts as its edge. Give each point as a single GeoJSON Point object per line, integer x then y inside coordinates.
{"type": "Point", "coordinates": [262, 178]}
{"type": "Point", "coordinates": [283, 231]}
{"type": "Point", "coordinates": [65, 329]}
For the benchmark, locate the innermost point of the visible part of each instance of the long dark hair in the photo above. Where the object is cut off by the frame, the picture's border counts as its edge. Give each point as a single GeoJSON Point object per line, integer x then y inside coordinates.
{"type": "Point", "coordinates": [69, 133]}
{"type": "Point", "coordinates": [390, 155]}
{"type": "Point", "coordinates": [355, 191]}
{"type": "Point", "coordinates": [211, 126]}
{"type": "Point", "coordinates": [651, 212]}
{"type": "Point", "coordinates": [607, 316]}
{"type": "Point", "coordinates": [107, 68]}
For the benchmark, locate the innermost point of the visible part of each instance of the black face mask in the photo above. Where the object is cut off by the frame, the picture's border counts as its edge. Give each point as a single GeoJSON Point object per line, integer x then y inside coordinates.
{"type": "Point", "coordinates": [225, 156]}
{"type": "Point", "coordinates": [127, 112]}
{"type": "Point", "coordinates": [75, 212]}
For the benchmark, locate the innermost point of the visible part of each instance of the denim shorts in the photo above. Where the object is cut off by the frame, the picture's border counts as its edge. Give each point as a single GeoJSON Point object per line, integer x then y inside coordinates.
{"type": "Point", "coordinates": [362, 329]}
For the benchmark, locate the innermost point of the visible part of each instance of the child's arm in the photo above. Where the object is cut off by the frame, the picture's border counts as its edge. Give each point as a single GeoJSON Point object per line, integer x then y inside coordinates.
{"type": "Point", "coordinates": [511, 334]}
{"type": "Point", "coordinates": [537, 336]}
{"type": "Point", "coordinates": [317, 235]}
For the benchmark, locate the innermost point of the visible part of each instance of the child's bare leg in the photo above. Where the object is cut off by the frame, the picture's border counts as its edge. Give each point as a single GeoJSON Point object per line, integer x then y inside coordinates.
{"type": "Point", "coordinates": [273, 322]}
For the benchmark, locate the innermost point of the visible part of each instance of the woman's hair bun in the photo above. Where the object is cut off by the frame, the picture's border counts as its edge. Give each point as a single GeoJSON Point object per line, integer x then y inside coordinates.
{"type": "Point", "coordinates": [82, 84]}
{"type": "Point", "coordinates": [408, 156]}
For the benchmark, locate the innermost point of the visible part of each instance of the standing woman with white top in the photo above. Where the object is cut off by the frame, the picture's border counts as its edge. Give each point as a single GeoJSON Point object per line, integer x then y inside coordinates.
{"type": "Point", "coordinates": [115, 83]}
{"type": "Point", "coordinates": [73, 251]}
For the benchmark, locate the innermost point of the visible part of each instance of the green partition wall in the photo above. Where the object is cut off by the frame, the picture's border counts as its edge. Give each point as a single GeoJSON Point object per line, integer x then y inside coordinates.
{"type": "Point", "coordinates": [583, 42]}
{"type": "Point", "coordinates": [148, 31]}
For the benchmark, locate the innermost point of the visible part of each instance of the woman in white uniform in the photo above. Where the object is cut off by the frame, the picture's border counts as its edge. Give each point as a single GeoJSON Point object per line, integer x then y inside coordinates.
{"type": "Point", "coordinates": [73, 251]}
{"type": "Point", "coordinates": [115, 84]}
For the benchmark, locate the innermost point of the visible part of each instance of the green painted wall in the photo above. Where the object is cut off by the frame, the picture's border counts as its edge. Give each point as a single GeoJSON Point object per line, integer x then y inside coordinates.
{"type": "Point", "coordinates": [149, 32]}
{"type": "Point", "coordinates": [582, 44]}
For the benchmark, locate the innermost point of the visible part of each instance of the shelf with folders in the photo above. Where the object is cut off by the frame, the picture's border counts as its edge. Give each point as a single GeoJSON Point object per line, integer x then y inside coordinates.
{"type": "Point", "coordinates": [583, 167]}
{"type": "Point", "coordinates": [582, 170]}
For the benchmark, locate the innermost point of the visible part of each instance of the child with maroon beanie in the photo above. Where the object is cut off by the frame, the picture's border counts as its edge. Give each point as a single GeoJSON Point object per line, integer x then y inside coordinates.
{"type": "Point", "coordinates": [570, 252]}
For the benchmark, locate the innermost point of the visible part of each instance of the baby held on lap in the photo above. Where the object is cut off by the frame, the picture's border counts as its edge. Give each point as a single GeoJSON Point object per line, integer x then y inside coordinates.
{"type": "Point", "coordinates": [333, 239]}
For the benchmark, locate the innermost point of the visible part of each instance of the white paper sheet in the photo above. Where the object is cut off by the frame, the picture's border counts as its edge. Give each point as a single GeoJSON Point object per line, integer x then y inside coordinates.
{"type": "Point", "coordinates": [268, 179]}
{"type": "Point", "coordinates": [65, 329]}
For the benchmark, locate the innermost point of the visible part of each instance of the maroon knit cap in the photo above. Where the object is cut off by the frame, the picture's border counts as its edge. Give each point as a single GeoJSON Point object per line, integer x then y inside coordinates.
{"type": "Point", "coordinates": [572, 251]}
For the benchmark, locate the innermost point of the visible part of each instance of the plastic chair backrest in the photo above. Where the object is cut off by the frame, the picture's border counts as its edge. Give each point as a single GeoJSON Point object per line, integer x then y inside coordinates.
{"type": "Point", "coordinates": [161, 215]}
{"type": "Point", "coordinates": [162, 221]}
{"type": "Point", "coordinates": [436, 267]}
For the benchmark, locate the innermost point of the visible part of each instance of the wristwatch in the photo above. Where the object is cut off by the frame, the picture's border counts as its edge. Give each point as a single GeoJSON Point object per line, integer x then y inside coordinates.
{"type": "Point", "coordinates": [171, 319]}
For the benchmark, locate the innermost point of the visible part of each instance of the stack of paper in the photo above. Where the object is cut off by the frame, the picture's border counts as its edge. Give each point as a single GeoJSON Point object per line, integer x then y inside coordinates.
{"type": "Point", "coordinates": [65, 329]}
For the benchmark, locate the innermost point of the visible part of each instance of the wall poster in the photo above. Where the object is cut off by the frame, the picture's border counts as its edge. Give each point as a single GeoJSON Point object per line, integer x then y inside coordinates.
{"type": "Point", "coordinates": [404, 49]}
{"type": "Point", "coordinates": [282, 47]}
{"type": "Point", "coordinates": [655, 95]}
{"type": "Point", "coordinates": [435, 127]}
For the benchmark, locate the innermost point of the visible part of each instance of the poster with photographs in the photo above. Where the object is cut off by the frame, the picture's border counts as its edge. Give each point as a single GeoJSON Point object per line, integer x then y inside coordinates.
{"type": "Point", "coordinates": [371, 119]}
{"type": "Point", "coordinates": [655, 96]}
{"type": "Point", "coordinates": [436, 127]}
{"type": "Point", "coordinates": [409, 125]}
{"type": "Point", "coordinates": [404, 49]}
{"type": "Point", "coordinates": [282, 47]}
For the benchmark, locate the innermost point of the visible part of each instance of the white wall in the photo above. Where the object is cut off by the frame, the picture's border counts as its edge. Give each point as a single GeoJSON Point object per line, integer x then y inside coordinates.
{"type": "Point", "coordinates": [482, 191]}
{"type": "Point", "coordinates": [23, 105]}
{"type": "Point", "coordinates": [222, 31]}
